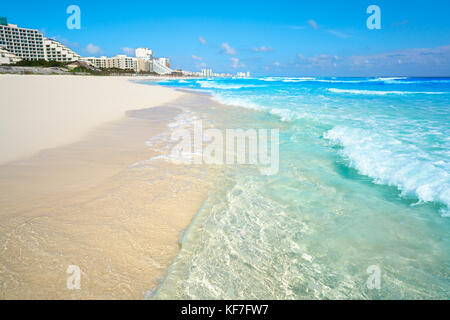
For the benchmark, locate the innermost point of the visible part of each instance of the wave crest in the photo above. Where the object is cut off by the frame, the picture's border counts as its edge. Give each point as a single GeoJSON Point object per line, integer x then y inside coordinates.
{"type": "Point", "coordinates": [391, 162]}
{"type": "Point", "coordinates": [376, 92]}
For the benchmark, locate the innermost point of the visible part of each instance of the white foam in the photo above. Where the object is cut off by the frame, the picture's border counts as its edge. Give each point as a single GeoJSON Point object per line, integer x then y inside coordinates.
{"type": "Point", "coordinates": [237, 102]}
{"type": "Point", "coordinates": [389, 79]}
{"type": "Point", "coordinates": [271, 79]}
{"type": "Point", "coordinates": [284, 114]}
{"type": "Point", "coordinates": [431, 81]}
{"type": "Point", "coordinates": [302, 79]}
{"type": "Point", "coordinates": [287, 115]}
{"type": "Point", "coordinates": [375, 92]}
{"type": "Point", "coordinates": [394, 163]}
{"type": "Point", "coordinates": [341, 81]}
{"type": "Point", "coordinates": [215, 85]}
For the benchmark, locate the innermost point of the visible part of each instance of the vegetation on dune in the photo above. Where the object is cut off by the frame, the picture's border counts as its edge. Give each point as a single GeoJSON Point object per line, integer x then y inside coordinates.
{"type": "Point", "coordinates": [38, 63]}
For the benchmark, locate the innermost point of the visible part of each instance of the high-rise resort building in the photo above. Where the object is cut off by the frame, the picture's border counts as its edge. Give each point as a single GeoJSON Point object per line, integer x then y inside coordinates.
{"type": "Point", "coordinates": [149, 63]}
{"type": "Point", "coordinates": [30, 44]}
{"type": "Point", "coordinates": [243, 75]}
{"type": "Point", "coordinates": [56, 51]}
{"type": "Point", "coordinates": [23, 43]}
{"type": "Point", "coordinates": [144, 53]}
{"type": "Point", "coordinates": [207, 73]}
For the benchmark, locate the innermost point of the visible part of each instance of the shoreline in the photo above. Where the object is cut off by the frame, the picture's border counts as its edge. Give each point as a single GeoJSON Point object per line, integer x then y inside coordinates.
{"type": "Point", "coordinates": [84, 203]}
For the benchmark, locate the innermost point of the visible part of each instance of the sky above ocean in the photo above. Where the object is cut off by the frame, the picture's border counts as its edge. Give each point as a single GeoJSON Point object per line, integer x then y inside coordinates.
{"type": "Point", "coordinates": [285, 38]}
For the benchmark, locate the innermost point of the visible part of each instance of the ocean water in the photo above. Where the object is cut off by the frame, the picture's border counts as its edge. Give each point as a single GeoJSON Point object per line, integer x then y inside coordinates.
{"type": "Point", "coordinates": [364, 183]}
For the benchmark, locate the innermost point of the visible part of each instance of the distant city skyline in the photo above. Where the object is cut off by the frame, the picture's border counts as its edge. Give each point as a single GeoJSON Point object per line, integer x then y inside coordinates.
{"type": "Point", "coordinates": [282, 38]}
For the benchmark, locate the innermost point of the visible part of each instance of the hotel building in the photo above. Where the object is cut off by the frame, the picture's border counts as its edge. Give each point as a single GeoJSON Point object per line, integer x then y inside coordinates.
{"type": "Point", "coordinates": [144, 65]}
{"type": "Point", "coordinates": [207, 73]}
{"type": "Point", "coordinates": [23, 43]}
{"type": "Point", "coordinates": [7, 57]}
{"type": "Point", "coordinates": [30, 44]}
{"type": "Point", "coordinates": [243, 75]}
{"type": "Point", "coordinates": [144, 53]}
{"type": "Point", "coordinates": [117, 62]}
{"type": "Point", "coordinates": [56, 51]}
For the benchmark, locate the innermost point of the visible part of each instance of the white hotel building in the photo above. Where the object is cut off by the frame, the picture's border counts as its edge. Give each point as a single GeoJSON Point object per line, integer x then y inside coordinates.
{"type": "Point", "coordinates": [207, 73]}
{"type": "Point", "coordinates": [56, 51]}
{"type": "Point", "coordinates": [30, 44]}
{"type": "Point", "coordinates": [144, 62]}
{"type": "Point", "coordinates": [7, 57]}
{"type": "Point", "coordinates": [117, 62]}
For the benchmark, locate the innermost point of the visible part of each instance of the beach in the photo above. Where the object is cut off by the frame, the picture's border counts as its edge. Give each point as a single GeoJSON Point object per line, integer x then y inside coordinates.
{"type": "Point", "coordinates": [41, 112]}
{"type": "Point", "coordinates": [74, 194]}
{"type": "Point", "coordinates": [361, 190]}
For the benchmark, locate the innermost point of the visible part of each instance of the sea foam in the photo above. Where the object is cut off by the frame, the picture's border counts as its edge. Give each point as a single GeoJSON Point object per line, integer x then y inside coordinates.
{"type": "Point", "coordinates": [223, 86]}
{"type": "Point", "coordinates": [377, 92]}
{"type": "Point", "coordinates": [392, 162]}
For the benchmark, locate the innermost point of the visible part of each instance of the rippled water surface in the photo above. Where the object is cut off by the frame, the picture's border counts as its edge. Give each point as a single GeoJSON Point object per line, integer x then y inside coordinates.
{"type": "Point", "coordinates": [364, 181]}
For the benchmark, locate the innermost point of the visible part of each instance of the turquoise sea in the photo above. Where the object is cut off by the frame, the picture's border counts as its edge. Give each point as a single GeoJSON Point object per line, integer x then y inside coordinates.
{"type": "Point", "coordinates": [364, 181]}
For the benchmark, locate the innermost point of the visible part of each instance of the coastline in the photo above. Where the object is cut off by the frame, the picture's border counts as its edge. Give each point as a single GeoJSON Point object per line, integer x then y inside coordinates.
{"type": "Point", "coordinates": [85, 202]}
{"type": "Point", "coordinates": [139, 226]}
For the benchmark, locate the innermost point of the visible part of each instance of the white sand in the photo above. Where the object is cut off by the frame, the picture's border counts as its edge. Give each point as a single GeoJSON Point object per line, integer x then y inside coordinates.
{"type": "Point", "coordinates": [83, 203]}
{"type": "Point", "coordinates": [40, 112]}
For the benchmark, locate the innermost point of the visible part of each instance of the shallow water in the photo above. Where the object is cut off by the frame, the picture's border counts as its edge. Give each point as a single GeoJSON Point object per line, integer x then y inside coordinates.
{"type": "Point", "coordinates": [364, 181]}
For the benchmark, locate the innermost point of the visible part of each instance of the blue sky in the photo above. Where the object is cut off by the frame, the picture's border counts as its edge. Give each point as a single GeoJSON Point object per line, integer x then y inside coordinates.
{"type": "Point", "coordinates": [286, 38]}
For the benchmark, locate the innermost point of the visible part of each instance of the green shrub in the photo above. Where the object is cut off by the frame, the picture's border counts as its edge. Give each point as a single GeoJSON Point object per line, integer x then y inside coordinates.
{"type": "Point", "coordinates": [38, 63]}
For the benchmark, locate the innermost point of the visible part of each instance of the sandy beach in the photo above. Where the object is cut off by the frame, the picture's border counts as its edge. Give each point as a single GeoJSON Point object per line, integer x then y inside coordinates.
{"type": "Point", "coordinates": [40, 112]}
{"type": "Point", "coordinates": [70, 194]}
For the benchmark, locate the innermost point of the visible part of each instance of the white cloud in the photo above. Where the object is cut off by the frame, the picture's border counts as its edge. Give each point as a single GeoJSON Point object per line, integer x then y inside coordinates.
{"type": "Point", "coordinates": [197, 57]}
{"type": "Point", "coordinates": [202, 40]}
{"type": "Point", "coordinates": [202, 65]}
{"type": "Point", "coordinates": [320, 60]}
{"type": "Point", "coordinates": [313, 24]}
{"type": "Point", "coordinates": [66, 42]}
{"type": "Point", "coordinates": [93, 49]}
{"type": "Point", "coordinates": [234, 62]}
{"type": "Point", "coordinates": [129, 51]}
{"type": "Point", "coordinates": [276, 64]}
{"type": "Point", "coordinates": [410, 62]}
{"type": "Point", "coordinates": [228, 50]}
{"type": "Point", "coordinates": [263, 49]}
{"type": "Point", "coordinates": [338, 34]}
{"type": "Point", "coordinates": [439, 56]}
